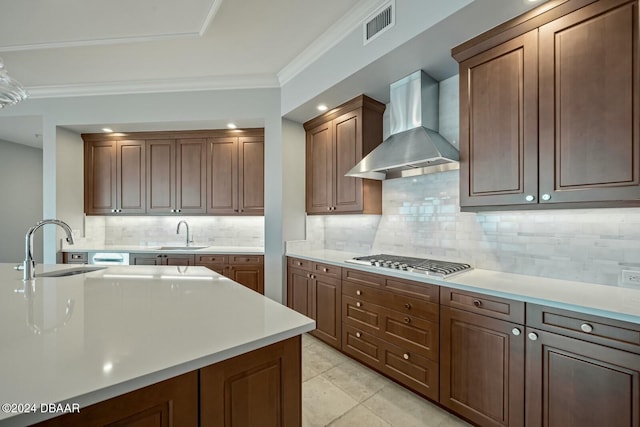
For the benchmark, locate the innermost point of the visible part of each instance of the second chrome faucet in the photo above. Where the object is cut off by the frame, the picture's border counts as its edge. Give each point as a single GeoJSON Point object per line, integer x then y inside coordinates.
{"type": "Point", "coordinates": [189, 241]}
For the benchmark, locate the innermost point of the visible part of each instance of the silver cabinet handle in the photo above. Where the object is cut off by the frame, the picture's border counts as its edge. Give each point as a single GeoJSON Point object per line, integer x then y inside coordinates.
{"type": "Point", "coordinates": [546, 197]}
{"type": "Point", "coordinates": [533, 336]}
{"type": "Point", "coordinates": [515, 331]}
{"type": "Point", "coordinates": [530, 198]}
{"type": "Point", "coordinates": [358, 334]}
{"type": "Point", "coordinates": [586, 328]}
{"type": "Point", "coordinates": [358, 292]}
{"type": "Point", "coordinates": [406, 356]}
{"type": "Point", "coordinates": [358, 304]}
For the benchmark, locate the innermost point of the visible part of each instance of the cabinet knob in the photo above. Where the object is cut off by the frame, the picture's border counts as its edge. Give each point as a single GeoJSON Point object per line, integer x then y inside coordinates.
{"type": "Point", "coordinates": [358, 334]}
{"type": "Point", "coordinates": [358, 292]}
{"type": "Point", "coordinates": [113, 210]}
{"type": "Point", "coordinates": [407, 320]}
{"type": "Point", "coordinates": [477, 303]}
{"type": "Point", "coordinates": [329, 208]}
{"type": "Point", "coordinates": [515, 331]}
{"type": "Point", "coordinates": [235, 210]}
{"type": "Point", "coordinates": [586, 328]}
{"type": "Point", "coordinates": [407, 306]}
{"type": "Point", "coordinates": [546, 197]}
{"type": "Point", "coordinates": [530, 198]}
{"type": "Point", "coordinates": [533, 336]}
{"type": "Point", "coordinates": [173, 210]}
{"type": "Point", "coordinates": [299, 263]}
{"type": "Point", "coordinates": [406, 356]}
{"type": "Point", "coordinates": [178, 210]}
{"type": "Point", "coordinates": [325, 269]}
{"type": "Point", "coordinates": [358, 304]}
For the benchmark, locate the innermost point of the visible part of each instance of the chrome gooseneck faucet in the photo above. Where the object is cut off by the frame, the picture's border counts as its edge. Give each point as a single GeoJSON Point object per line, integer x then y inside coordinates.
{"type": "Point", "coordinates": [186, 225]}
{"type": "Point", "coordinates": [29, 264]}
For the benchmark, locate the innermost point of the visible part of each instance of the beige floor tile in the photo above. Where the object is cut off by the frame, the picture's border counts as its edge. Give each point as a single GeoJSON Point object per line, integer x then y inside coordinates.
{"type": "Point", "coordinates": [360, 416]}
{"type": "Point", "coordinates": [402, 408]}
{"type": "Point", "coordinates": [356, 380]}
{"type": "Point", "coordinates": [323, 402]}
{"type": "Point", "coordinates": [317, 359]}
{"type": "Point", "coordinates": [453, 421]}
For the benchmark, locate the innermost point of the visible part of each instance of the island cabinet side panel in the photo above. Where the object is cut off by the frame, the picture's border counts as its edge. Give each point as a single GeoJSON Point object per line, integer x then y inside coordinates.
{"type": "Point", "coordinates": [173, 402]}
{"type": "Point", "coordinates": [260, 388]}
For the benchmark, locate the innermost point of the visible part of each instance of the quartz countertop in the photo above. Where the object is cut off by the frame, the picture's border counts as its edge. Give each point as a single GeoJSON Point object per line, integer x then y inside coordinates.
{"type": "Point", "coordinates": [156, 249]}
{"type": "Point", "coordinates": [609, 301]}
{"type": "Point", "coordinates": [89, 337]}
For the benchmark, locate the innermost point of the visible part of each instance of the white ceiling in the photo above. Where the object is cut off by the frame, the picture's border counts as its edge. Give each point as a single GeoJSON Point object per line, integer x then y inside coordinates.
{"type": "Point", "coordinates": [85, 47]}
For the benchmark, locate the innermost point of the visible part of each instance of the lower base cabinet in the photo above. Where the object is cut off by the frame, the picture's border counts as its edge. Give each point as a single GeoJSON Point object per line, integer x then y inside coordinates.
{"type": "Point", "coordinates": [260, 388]}
{"type": "Point", "coordinates": [248, 270]}
{"type": "Point", "coordinates": [161, 259]}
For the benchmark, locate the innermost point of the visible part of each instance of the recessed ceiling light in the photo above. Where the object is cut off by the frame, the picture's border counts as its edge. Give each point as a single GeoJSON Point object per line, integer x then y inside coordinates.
{"type": "Point", "coordinates": [232, 125]}
{"type": "Point", "coordinates": [322, 107]}
{"type": "Point", "coordinates": [108, 130]}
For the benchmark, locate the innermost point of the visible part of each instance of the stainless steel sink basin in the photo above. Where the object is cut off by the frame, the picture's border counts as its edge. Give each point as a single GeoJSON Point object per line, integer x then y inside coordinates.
{"type": "Point", "coordinates": [180, 248]}
{"type": "Point", "coordinates": [70, 272]}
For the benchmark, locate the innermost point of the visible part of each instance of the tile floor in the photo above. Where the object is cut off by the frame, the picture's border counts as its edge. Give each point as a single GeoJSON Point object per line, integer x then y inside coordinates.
{"type": "Point", "coordinates": [340, 392]}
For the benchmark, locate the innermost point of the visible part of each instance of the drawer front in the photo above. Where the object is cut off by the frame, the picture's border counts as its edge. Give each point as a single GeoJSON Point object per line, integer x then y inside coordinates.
{"type": "Point", "coordinates": [402, 303]}
{"type": "Point", "coordinates": [414, 371]}
{"type": "Point", "coordinates": [245, 259]}
{"type": "Point", "coordinates": [365, 316]}
{"type": "Point", "coordinates": [362, 278]}
{"type": "Point", "coordinates": [211, 259]}
{"type": "Point", "coordinates": [326, 269]}
{"type": "Point", "coordinates": [499, 308]}
{"type": "Point", "coordinates": [410, 288]}
{"type": "Point", "coordinates": [411, 333]}
{"type": "Point", "coordinates": [600, 330]}
{"type": "Point", "coordinates": [299, 263]}
{"type": "Point", "coordinates": [361, 346]}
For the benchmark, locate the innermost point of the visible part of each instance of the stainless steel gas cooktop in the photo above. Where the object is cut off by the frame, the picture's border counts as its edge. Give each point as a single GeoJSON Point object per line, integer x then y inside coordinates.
{"type": "Point", "coordinates": [430, 267]}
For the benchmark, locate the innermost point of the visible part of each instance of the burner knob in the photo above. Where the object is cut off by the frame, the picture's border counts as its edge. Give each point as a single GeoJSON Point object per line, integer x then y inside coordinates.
{"type": "Point", "coordinates": [404, 266]}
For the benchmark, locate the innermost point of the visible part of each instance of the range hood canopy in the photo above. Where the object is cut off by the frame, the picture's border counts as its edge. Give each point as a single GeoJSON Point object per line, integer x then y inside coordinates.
{"type": "Point", "coordinates": [414, 147]}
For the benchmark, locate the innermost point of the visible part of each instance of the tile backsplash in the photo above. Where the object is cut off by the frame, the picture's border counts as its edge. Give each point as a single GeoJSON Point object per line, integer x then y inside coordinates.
{"type": "Point", "coordinates": [161, 230]}
{"type": "Point", "coordinates": [421, 217]}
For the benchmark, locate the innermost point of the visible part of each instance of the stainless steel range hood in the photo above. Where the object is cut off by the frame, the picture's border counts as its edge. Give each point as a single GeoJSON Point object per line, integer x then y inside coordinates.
{"type": "Point", "coordinates": [414, 146]}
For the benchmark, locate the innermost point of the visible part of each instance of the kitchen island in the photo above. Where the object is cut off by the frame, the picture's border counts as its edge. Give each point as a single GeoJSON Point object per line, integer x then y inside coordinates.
{"type": "Point", "coordinates": [91, 337]}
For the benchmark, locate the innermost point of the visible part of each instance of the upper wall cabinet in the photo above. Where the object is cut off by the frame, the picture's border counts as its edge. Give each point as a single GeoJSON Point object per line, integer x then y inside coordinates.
{"type": "Point", "coordinates": [212, 172]}
{"type": "Point", "coordinates": [549, 107]}
{"type": "Point", "coordinates": [114, 177]}
{"type": "Point", "coordinates": [336, 141]}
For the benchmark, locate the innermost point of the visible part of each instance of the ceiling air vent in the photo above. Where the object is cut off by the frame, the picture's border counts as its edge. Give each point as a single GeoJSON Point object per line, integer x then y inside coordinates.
{"type": "Point", "coordinates": [379, 22]}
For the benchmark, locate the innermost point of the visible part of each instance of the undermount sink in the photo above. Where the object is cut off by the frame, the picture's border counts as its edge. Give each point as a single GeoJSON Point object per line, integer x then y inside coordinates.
{"type": "Point", "coordinates": [180, 248]}
{"type": "Point", "coordinates": [70, 272]}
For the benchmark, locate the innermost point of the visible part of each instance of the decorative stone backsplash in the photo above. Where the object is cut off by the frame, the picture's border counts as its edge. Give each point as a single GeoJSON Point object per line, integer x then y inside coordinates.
{"type": "Point", "coordinates": [161, 230]}
{"type": "Point", "coordinates": [421, 217]}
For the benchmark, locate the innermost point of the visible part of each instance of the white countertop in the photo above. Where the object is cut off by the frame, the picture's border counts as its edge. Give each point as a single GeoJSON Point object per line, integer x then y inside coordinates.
{"type": "Point", "coordinates": [608, 301]}
{"type": "Point", "coordinates": [231, 250]}
{"type": "Point", "coordinates": [89, 337]}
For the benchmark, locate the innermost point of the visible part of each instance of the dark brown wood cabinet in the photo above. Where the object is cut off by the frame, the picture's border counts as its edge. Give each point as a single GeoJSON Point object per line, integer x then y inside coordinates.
{"type": "Point", "coordinates": [336, 141]}
{"type": "Point", "coordinates": [315, 290]}
{"type": "Point", "coordinates": [115, 179]}
{"type": "Point", "coordinates": [248, 270]}
{"type": "Point", "coordinates": [582, 370]}
{"type": "Point", "coordinates": [161, 259]}
{"type": "Point", "coordinates": [214, 172]}
{"type": "Point", "coordinates": [235, 175]}
{"type": "Point", "coordinates": [548, 106]}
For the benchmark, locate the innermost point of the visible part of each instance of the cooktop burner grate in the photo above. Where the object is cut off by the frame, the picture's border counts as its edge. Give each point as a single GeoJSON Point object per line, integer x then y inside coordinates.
{"type": "Point", "coordinates": [426, 266]}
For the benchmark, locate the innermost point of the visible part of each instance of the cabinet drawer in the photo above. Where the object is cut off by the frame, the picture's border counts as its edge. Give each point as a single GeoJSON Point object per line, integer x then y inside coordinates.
{"type": "Point", "coordinates": [402, 303]}
{"type": "Point", "coordinates": [245, 259]}
{"type": "Point", "coordinates": [299, 263]}
{"type": "Point", "coordinates": [74, 257]}
{"type": "Point", "coordinates": [410, 332]}
{"type": "Point", "coordinates": [211, 259]}
{"type": "Point", "coordinates": [411, 288]}
{"type": "Point", "coordinates": [361, 346]}
{"type": "Point", "coordinates": [499, 308]}
{"type": "Point", "coordinates": [327, 269]}
{"type": "Point", "coordinates": [601, 330]}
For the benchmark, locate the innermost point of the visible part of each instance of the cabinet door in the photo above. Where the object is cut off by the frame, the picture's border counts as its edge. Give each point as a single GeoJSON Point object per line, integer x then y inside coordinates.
{"type": "Point", "coordinates": [347, 131]}
{"type": "Point", "coordinates": [589, 89]}
{"type": "Point", "coordinates": [131, 181]}
{"type": "Point", "coordinates": [298, 291]}
{"type": "Point", "coordinates": [319, 169]}
{"type": "Point", "coordinates": [251, 175]}
{"type": "Point", "coordinates": [191, 176]}
{"type": "Point", "coordinates": [577, 383]}
{"type": "Point", "coordinates": [222, 176]}
{"type": "Point", "coordinates": [482, 368]}
{"type": "Point", "coordinates": [145, 259]}
{"type": "Point", "coordinates": [327, 301]}
{"type": "Point", "coordinates": [161, 176]}
{"type": "Point", "coordinates": [499, 125]}
{"type": "Point", "coordinates": [178, 259]}
{"type": "Point", "coordinates": [100, 169]}
{"type": "Point", "coordinates": [251, 276]}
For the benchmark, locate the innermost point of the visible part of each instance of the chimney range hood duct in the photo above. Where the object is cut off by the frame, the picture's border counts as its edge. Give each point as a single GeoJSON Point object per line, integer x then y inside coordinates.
{"type": "Point", "coordinates": [414, 147]}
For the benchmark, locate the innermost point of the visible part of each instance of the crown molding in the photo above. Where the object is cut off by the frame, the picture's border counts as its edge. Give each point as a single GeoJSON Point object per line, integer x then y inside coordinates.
{"type": "Point", "coordinates": [330, 38]}
{"type": "Point", "coordinates": [213, 10]}
{"type": "Point", "coordinates": [247, 81]}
